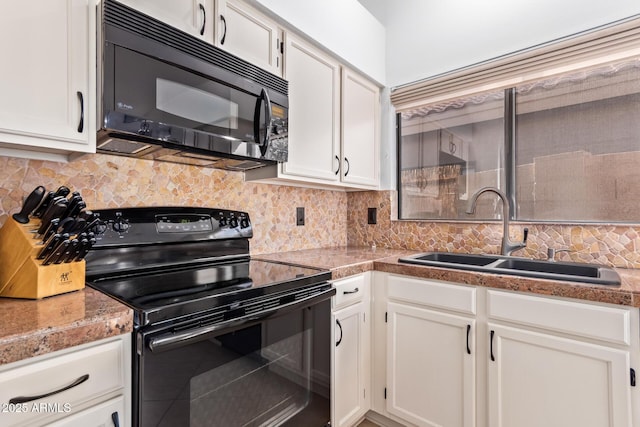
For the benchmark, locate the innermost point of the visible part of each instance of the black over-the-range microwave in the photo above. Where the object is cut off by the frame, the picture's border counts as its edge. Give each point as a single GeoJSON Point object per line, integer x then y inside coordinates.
{"type": "Point", "coordinates": [167, 95]}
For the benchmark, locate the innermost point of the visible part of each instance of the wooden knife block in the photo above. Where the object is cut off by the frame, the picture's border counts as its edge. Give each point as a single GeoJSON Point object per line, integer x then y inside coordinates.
{"type": "Point", "coordinates": [24, 276]}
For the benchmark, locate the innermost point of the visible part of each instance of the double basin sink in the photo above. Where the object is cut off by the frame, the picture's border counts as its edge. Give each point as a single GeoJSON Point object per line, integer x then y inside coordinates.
{"type": "Point", "coordinates": [499, 264]}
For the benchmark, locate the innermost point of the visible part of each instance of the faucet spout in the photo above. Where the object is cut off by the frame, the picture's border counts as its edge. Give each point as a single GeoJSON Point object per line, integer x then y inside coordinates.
{"type": "Point", "coordinates": [507, 246]}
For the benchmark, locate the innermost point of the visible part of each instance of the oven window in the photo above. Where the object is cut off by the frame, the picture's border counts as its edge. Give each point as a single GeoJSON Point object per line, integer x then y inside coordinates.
{"type": "Point", "coordinates": [195, 104]}
{"type": "Point", "coordinates": [267, 374]}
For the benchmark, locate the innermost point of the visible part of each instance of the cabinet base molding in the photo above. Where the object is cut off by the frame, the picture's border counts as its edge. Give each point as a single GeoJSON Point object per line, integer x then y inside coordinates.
{"type": "Point", "coordinates": [381, 420]}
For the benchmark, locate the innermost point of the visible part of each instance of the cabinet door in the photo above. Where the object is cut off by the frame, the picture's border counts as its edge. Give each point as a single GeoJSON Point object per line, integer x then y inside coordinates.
{"type": "Point", "coordinates": [542, 380]}
{"type": "Point", "coordinates": [109, 413]}
{"type": "Point", "coordinates": [46, 49]}
{"type": "Point", "coordinates": [245, 33]}
{"type": "Point", "coordinates": [191, 16]}
{"type": "Point", "coordinates": [314, 119]}
{"type": "Point", "coordinates": [360, 130]}
{"type": "Point", "coordinates": [430, 367]}
{"type": "Point", "coordinates": [351, 365]}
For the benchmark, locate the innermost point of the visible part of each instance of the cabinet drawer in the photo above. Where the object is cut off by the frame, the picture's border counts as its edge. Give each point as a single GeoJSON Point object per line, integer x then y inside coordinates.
{"type": "Point", "coordinates": [78, 376]}
{"type": "Point", "coordinates": [455, 297]}
{"type": "Point", "coordinates": [103, 414]}
{"type": "Point", "coordinates": [599, 322]}
{"type": "Point", "coordinates": [350, 290]}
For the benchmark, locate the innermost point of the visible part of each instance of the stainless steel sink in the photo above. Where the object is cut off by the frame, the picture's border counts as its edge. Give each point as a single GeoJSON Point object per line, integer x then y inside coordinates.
{"type": "Point", "coordinates": [497, 264]}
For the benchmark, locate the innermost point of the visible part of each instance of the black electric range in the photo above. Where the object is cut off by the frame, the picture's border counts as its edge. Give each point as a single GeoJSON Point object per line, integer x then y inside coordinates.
{"type": "Point", "coordinates": [197, 294]}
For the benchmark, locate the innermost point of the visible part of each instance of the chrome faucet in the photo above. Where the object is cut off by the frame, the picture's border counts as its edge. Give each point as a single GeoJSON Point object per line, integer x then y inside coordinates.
{"type": "Point", "coordinates": [507, 246]}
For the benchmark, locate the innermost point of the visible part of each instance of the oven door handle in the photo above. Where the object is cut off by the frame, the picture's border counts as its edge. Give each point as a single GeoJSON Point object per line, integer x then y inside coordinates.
{"type": "Point", "coordinates": [170, 341]}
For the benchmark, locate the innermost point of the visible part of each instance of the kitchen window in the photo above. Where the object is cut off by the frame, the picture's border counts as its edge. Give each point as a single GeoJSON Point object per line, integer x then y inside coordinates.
{"type": "Point", "coordinates": [564, 149]}
{"type": "Point", "coordinates": [447, 150]}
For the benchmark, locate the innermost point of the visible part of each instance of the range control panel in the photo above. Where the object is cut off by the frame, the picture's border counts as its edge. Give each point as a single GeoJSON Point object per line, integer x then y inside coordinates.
{"type": "Point", "coordinates": [159, 224]}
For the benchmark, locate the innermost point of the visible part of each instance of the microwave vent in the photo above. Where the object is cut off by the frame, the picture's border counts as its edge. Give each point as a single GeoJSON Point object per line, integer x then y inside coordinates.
{"type": "Point", "coordinates": [123, 146]}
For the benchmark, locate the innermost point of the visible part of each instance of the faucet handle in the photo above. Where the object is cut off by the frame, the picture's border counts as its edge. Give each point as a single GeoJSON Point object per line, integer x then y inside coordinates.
{"type": "Point", "coordinates": [525, 234]}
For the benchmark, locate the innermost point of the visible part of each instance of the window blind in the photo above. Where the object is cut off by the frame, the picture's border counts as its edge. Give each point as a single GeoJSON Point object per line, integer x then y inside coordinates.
{"type": "Point", "coordinates": [590, 49]}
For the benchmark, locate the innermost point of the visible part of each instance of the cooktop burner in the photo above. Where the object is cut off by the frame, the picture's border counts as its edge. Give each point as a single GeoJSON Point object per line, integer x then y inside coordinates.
{"type": "Point", "coordinates": [170, 264]}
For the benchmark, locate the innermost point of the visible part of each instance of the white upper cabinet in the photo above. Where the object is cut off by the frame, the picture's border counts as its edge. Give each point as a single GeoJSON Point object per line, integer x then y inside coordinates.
{"type": "Point", "coordinates": [360, 130]}
{"type": "Point", "coordinates": [242, 31]}
{"type": "Point", "coordinates": [191, 16]}
{"type": "Point", "coordinates": [334, 122]}
{"type": "Point", "coordinates": [47, 78]}
{"type": "Point", "coordinates": [314, 112]}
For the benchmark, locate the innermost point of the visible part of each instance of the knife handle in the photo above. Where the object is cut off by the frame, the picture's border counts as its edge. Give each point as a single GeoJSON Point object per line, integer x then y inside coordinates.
{"type": "Point", "coordinates": [54, 211]}
{"type": "Point", "coordinates": [49, 246]}
{"type": "Point", "coordinates": [31, 202]}
{"type": "Point", "coordinates": [62, 191]}
{"type": "Point", "coordinates": [51, 229]}
{"type": "Point", "coordinates": [56, 253]}
{"type": "Point", "coordinates": [44, 204]}
{"type": "Point", "coordinates": [83, 247]}
{"type": "Point", "coordinates": [71, 252]}
{"type": "Point", "coordinates": [73, 202]}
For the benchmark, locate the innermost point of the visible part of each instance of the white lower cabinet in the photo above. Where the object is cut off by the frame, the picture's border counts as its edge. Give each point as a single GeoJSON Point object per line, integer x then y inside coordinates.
{"type": "Point", "coordinates": [109, 413]}
{"type": "Point", "coordinates": [557, 362]}
{"type": "Point", "coordinates": [88, 385]}
{"type": "Point", "coordinates": [430, 353]}
{"type": "Point", "coordinates": [541, 380]}
{"type": "Point", "coordinates": [351, 356]}
{"type": "Point", "coordinates": [456, 355]}
{"type": "Point", "coordinates": [430, 367]}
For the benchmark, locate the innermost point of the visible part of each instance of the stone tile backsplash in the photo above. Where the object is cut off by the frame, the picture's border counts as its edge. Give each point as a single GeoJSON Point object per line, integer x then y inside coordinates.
{"type": "Point", "coordinates": [333, 218]}
{"type": "Point", "coordinates": [613, 245]}
{"type": "Point", "coordinates": [110, 181]}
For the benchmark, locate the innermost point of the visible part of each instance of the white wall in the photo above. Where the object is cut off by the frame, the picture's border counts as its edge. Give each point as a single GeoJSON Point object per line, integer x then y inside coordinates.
{"type": "Point", "coordinates": [430, 37]}
{"type": "Point", "coordinates": [344, 27]}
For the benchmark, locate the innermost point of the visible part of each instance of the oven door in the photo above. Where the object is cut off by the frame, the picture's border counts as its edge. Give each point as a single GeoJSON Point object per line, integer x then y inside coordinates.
{"type": "Point", "coordinates": [267, 369]}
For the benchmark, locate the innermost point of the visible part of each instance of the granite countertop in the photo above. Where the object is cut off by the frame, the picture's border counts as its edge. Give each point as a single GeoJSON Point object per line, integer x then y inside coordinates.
{"type": "Point", "coordinates": [34, 327]}
{"type": "Point", "coordinates": [347, 261]}
{"type": "Point", "coordinates": [342, 261]}
{"type": "Point", "coordinates": [30, 328]}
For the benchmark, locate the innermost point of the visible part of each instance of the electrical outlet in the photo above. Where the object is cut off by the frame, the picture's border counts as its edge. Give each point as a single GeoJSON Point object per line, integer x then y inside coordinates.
{"type": "Point", "coordinates": [372, 216]}
{"type": "Point", "coordinates": [299, 216]}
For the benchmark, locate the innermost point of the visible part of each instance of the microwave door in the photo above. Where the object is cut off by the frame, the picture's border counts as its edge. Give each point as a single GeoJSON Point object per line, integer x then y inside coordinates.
{"type": "Point", "coordinates": [158, 92]}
